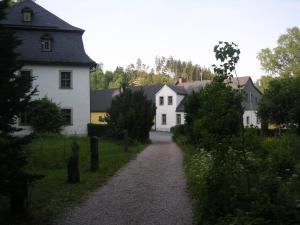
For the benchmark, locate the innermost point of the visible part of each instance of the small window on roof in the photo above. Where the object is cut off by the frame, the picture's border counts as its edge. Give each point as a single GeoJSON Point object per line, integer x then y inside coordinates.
{"type": "Point", "coordinates": [46, 43]}
{"type": "Point", "coordinates": [27, 14]}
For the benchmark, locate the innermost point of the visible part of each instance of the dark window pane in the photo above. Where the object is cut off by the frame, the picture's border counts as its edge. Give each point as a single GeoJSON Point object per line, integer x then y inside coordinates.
{"type": "Point", "coordinates": [65, 80]}
{"type": "Point", "coordinates": [164, 119]}
{"type": "Point", "coordinates": [178, 118]}
{"type": "Point", "coordinates": [161, 100]}
{"type": "Point", "coordinates": [68, 116]}
{"type": "Point", "coordinates": [170, 100]}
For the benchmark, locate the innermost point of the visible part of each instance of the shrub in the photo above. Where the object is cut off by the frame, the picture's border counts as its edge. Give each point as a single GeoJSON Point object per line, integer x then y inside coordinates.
{"type": "Point", "coordinates": [255, 183]}
{"type": "Point", "coordinates": [45, 116]}
{"type": "Point", "coordinates": [98, 130]}
{"type": "Point", "coordinates": [131, 111]}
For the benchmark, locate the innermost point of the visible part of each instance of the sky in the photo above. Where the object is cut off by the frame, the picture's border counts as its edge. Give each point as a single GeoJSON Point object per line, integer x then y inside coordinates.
{"type": "Point", "coordinates": [117, 32]}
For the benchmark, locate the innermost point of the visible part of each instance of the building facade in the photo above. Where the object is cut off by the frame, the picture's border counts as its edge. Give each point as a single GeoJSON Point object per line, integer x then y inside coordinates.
{"type": "Point", "coordinates": [52, 52]}
{"type": "Point", "coordinates": [168, 100]}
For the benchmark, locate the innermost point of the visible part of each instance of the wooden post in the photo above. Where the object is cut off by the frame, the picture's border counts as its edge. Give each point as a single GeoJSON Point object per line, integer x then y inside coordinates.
{"type": "Point", "coordinates": [94, 153]}
{"type": "Point", "coordinates": [73, 165]}
{"type": "Point", "coordinates": [125, 141]}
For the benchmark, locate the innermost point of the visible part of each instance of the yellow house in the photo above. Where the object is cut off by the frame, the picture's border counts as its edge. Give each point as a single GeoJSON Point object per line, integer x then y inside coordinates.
{"type": "Point", "coordinates": [98, 117]}
{"type": "Point", "coordinates": [101, 100]}
{"type": "Point", "coordinates": [100, 103]}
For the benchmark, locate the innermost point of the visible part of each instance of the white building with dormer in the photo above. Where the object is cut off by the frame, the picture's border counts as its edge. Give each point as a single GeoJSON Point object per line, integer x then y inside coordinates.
{"type": "Point", "coordinates": [52, 52]}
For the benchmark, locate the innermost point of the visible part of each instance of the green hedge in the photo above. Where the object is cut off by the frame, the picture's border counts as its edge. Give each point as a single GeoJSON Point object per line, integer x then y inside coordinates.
{"type": "Point", "coordinates": [98, 130]}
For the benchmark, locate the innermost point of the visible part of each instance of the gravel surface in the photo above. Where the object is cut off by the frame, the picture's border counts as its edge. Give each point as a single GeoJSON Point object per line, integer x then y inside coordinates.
{"type": "Point", "coordinates": [147, 191]}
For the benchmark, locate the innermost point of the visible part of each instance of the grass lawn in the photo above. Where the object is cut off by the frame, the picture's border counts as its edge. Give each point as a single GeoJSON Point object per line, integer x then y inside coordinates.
{"type": "Point", "coordinates": [48, 156]}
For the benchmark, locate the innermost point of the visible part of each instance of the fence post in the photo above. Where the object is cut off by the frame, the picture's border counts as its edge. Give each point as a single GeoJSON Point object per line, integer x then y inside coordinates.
{"type": "Point", "coordinates": [73, 164]}
{"type": "Point", "coordinates": [94, 153]}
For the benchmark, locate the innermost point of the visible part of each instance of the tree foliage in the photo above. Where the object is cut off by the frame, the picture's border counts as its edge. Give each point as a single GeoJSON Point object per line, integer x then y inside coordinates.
{"type": "Point", "coordinates": [131, 111]}
{"type": "Point", "coordinates": [45, 116]}
{"type": "Point", "coordinates": [280, 103]}
{"type": "Point", "coordinates": [215, 112]}
{"type": "Point", "coordinates": [233, 178]}
{"type": "Point", "coordinates": [15, 95]}
{"type": "Point", "coordinates": [263, 83]}
{"type": "Point", "coordinates": [283, 60]}
{"type": "Point", "coordinates": [184, 69]}
{"type": "Point", "coordinates": [166, 71]}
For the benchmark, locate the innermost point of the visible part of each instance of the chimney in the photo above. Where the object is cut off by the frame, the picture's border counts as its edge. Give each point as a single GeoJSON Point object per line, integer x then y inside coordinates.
{"type": "Point", "coordinates": [181, 80]}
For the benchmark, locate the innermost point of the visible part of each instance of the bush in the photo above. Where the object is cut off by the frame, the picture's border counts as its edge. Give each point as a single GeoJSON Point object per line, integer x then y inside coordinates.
{"type": "Point", "coordinates": [131, 111]}
{"type": "Point", "coordinates": [255, 183]}
{"type": "Point", "coordinates": [178, 130]}
{"type": "Point", "coordinates": [98, 130]}
{"type": "Point", "coordinates": [46, 116]}
{"type": "Point", "coordinates": [214, 113]}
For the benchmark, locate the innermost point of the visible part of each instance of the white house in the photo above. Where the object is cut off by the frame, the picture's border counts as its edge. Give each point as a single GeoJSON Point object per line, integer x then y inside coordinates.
{"type": "Point", "coordinates": [52, 51]}
{"type": "Point", "coordinates": [170, 108]}
{"type": "Point", "coordinates": [167, 99]}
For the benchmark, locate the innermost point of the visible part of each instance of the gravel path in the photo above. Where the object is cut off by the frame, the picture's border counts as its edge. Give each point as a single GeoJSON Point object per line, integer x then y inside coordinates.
{"type": "Point", "coordinates": [147, 191]}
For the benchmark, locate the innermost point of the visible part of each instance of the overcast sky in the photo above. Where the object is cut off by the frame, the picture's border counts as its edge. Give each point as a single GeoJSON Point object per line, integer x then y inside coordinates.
{"type": "Point", "coordinates": [117, 32]}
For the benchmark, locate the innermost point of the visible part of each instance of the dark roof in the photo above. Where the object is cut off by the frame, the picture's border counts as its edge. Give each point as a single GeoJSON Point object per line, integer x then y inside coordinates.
{"type": "Point", "coordinates": [197, 85]}
{"type": "Point", "coordinates": [180, 107]}
{"type": "Point", "coordinates": [42, 18]}
{"type": "Point", "coordinates": [149, 90]}
{"type": "Point", "coordinates": [178, 89]}
{"type": "Point", "coordinates": [239, 81]}
{"type": "Point", "coordinates": [67, 48]}
{"type": "Point", "coordinates": [101, 99]}
{"type": "Point", "coordinates": [67, 44]}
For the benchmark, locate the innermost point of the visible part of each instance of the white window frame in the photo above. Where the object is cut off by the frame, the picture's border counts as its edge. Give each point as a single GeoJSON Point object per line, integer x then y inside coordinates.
{"type": "Point", "coordinates": [163, 122]}
{"type": "Point", "coordinates": [60, 79]}
{"type": "Point", "coordinates": [43, 45]}
{"type": "Point", "coordinates": [71, 116]}
{"type": "Point", "coordinates": [27, 16]}
{"type": "Point", "coordinates": [161, 98]}
{"type": "Point", "coordinates": [247, 120]}
{"type": "Point", "coordinates": [170, 102]}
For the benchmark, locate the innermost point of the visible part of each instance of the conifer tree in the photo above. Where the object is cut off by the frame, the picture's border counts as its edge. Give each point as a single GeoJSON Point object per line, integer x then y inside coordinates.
{"type": "Point", "coordinates": [15, 94]}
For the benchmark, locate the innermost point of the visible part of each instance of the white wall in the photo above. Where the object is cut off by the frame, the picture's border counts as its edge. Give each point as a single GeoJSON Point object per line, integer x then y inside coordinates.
{"type": "Point", "coordinates": [169, 110]}
{"type": "Point", "coordinates": [77, 98]}
{"type": "Point", "coordinates": [252, 115]}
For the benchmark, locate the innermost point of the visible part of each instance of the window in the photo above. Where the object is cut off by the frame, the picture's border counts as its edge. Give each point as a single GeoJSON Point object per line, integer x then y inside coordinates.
{"type": "Point", "coordinates": [161, 100]}
{"type": "Point", "coordinates": [257, 120]}
{"type": "Point", "coordinates": [68, 116]}
{"type": "Point", "coordinates": [65, 80]}
{"type": "Point", "coordinates": [170, 100]}
{"type": "Point", "coordinates": [251, 96]}
{"type": "Point", "coordinates": [178, 118]}
{"type": "Point", "coordinates": [163, 119]}
{"type": "Point", "coordinates": [27, 14]}
{"type": "Point", "coordinates": [46, 45]}
{"type": "Point", "coordinates": [247, 120]}
{"type": "Point", "coordinates": [256, 100]}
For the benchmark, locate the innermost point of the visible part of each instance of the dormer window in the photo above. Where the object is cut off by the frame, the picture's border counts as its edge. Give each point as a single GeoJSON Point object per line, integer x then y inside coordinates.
{"type": "Point", "coordinates": [46, 43]}
{"type": "Point", "coordinates": [27, 14]}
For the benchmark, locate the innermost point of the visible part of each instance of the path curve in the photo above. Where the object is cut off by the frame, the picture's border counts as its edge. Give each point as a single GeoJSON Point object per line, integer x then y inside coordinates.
{"type": "Point", "coordinates": [147, 191]}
